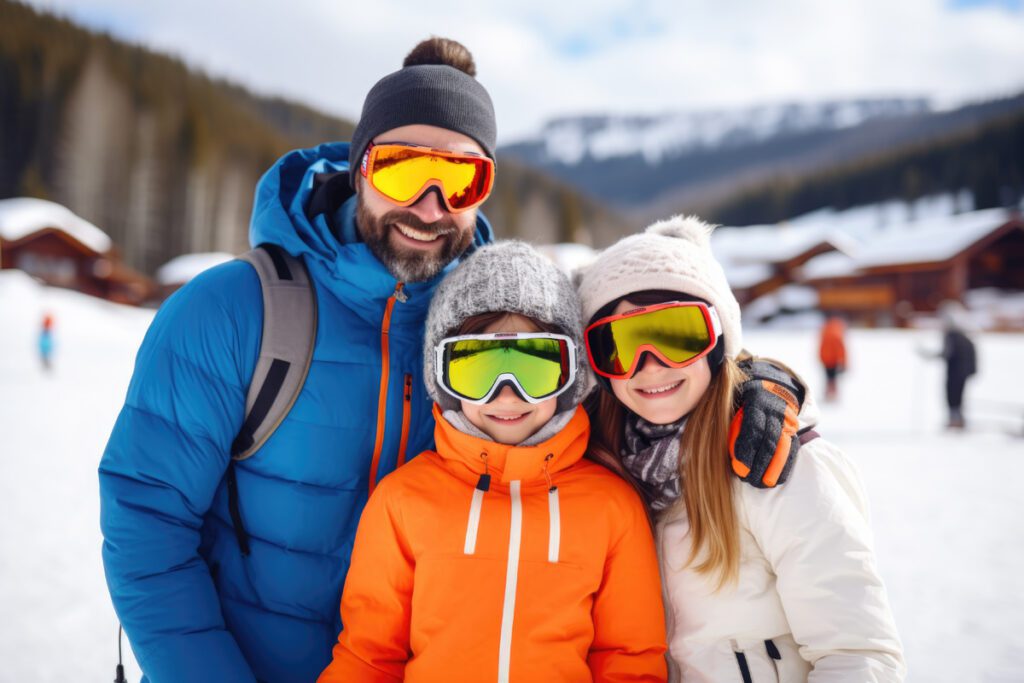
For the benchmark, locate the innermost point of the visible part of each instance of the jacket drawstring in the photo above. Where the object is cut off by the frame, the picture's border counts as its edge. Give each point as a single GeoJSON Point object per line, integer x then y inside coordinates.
{"type": "Point", "coordinates": [473, 525]}
{"type": "Point", "coordinates": [554, 515]}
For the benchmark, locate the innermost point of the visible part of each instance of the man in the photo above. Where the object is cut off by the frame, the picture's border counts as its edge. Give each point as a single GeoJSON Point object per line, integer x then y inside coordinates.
{"type": "Point", "coordinates": [195, 606]}
{"type": "Point", "coordinates": [961, 359]}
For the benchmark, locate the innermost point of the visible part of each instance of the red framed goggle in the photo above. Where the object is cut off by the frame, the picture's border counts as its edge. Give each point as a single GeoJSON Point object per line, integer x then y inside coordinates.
{"type": "Point", "coordinates": [677, 333]}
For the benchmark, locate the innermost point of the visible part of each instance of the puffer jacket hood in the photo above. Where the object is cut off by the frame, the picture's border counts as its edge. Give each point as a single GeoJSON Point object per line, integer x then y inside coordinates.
{"type": "Point", "coordinates": [350, 269]}
{"type": "Point", "coordinates": [462, 452]}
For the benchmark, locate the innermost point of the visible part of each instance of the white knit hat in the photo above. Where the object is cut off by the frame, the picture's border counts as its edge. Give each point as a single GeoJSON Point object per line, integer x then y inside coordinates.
{"type": "Point", "coordinates": [674, 254]}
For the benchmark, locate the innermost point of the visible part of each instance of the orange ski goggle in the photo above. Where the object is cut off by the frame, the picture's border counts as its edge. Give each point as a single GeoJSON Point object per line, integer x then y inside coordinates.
{"type": "Point", "coordinates": [677, 333]}
{"type": "Point", "coordinates": [402, 173]}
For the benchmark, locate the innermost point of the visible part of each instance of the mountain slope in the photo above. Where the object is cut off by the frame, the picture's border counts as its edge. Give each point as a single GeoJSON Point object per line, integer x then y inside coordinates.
{"type": "Point", "coordinates": [656, 165]}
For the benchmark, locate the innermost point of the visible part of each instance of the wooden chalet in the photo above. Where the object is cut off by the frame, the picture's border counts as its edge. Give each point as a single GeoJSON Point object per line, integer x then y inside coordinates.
{"type": "Point", "coordinates": [875, 272]}
{"type": "Point", "coordinates": [913, 272]}
{"type": "Point", "coordinates": [39, 238]}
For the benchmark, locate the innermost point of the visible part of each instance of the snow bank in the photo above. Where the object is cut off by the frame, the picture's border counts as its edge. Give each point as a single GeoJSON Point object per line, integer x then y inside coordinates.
{"type": "Point", "coordinates": [568, 256]}
{"type": "Point", "coordinates": [946, 508]}
{"type": "Point", "coordinates": [183, 268]}
{"type": "Point", "coordinates": [58, 623]}
{"type": "Point", "coordinates": [24, 215]}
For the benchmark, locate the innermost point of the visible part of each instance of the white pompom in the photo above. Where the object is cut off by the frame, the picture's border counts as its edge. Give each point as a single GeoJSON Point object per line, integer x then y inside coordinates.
{"type": "Point", "coordinates": [684, 227]}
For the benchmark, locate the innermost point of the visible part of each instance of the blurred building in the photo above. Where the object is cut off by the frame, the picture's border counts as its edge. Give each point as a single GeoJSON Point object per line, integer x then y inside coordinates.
{"type": "Point", "coordinates": [52, 244]}
{"type": "Point", "coordinates": [878, 267]}
{"type": "Point", "coordinates": [890, 280]}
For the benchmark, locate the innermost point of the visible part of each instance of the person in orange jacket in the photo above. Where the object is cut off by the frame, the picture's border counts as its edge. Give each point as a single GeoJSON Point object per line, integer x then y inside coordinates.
{"type": "Point", "coordinates": [832, 352]}
{"type": "Point", "coordinates": [504, 554]}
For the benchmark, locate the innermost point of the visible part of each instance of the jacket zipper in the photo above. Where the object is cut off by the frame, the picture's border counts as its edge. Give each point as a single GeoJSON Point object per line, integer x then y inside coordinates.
{"type": "Point", "coordinates": [382, 399]}
{"type": "Point", "coordinates": [406, 412]}
{"type": "Point", "coordinates": [511, 581]}
{"type": "Point", "coordinates": [514, 545]}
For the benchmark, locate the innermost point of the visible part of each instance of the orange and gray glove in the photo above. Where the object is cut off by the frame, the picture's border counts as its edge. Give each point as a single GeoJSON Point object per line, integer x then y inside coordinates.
{"type": "Point", "coordinates": [763, 440]}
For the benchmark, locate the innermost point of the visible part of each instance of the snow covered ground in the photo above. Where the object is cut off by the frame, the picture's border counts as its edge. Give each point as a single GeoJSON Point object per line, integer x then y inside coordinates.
{"type": "Point", "coordinates": [947, 512]}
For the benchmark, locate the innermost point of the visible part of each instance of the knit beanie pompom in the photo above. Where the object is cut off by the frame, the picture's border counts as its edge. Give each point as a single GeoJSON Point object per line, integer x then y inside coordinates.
{"type": "Point", "coordinates": [689, 228]}
{"type": "Point", "coordinates": [673, 255]}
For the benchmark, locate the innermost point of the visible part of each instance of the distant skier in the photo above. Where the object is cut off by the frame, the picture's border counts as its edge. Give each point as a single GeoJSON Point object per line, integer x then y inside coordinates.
{"type": "Point", "coordinates": [46, 342]}
{"type": "Point", "coordinates": [832, 352]}
{"type": "Point", "coordinates": [961, 359]}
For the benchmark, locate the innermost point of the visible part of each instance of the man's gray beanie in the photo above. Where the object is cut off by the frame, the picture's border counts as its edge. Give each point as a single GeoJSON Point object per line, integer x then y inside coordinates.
{"type": "Point", "coordinates": [508, 276]}
{"type": "Point", "coordinates": [429, 94]}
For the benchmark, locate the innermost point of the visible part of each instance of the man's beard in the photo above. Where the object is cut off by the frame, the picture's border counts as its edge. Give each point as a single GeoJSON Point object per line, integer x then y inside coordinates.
{"type": "Point", "coordinates": [405, 264]}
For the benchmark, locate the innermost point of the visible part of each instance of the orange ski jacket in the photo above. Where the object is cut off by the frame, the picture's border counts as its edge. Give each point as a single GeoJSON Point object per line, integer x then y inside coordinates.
{"type": "Point", "coordinates": [832, 350]}
{"type": "Point", "coordinates": [545, 573]}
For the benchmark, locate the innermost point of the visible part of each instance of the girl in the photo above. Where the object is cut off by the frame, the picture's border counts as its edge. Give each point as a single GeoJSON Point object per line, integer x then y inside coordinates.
{"type": "Point", "coordinates": [503, 555]}
{"type": "Point", "coordinates": [762, 584]}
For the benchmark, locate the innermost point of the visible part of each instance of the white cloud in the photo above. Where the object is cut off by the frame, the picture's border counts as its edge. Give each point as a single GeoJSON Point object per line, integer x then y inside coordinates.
{"type": "Point", "coordinates": [541, 58]}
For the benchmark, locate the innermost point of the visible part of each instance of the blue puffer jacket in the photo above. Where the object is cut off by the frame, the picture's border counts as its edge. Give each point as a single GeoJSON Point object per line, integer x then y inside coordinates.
{"type": "Point", "coordinates": [193, 607]}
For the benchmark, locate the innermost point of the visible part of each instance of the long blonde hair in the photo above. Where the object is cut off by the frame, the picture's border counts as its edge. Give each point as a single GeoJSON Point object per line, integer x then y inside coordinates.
{"type": "Point", "coordinates": [704, 467]}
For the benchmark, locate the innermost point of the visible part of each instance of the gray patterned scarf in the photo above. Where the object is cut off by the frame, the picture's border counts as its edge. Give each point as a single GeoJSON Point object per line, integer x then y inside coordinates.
{"type": "Point", "coordinates": [650, 452]}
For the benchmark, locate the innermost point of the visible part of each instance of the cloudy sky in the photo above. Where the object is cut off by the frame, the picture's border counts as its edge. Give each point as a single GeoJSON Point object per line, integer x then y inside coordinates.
{"type": "Point", "coordinates": [545, 58]}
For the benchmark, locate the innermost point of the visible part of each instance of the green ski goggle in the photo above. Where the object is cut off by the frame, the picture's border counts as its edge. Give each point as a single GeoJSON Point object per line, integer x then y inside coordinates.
{"type": "Point", "coordinates": [475, 367]}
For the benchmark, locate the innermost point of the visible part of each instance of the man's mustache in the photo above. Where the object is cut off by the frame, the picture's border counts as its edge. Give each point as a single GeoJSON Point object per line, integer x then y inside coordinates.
{"type": "Point", "coordinates": [445, 226]}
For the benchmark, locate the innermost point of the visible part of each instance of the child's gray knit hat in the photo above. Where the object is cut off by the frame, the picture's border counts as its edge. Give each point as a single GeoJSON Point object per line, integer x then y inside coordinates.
{"type": "Point", "coordinates": [508, 276]}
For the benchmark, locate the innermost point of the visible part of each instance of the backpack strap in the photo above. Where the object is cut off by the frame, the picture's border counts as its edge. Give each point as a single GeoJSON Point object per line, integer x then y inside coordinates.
{"type": "Point", "coordinates": [286, 347]}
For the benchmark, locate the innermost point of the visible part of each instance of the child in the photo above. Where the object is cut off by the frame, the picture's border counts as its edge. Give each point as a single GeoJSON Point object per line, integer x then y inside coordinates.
{"type": "Point", "coordinates": [46, 342]}
{"type": "Point", "coordinates": [772, 584]}
{"type": "Point", "coordinates": [503, 555]}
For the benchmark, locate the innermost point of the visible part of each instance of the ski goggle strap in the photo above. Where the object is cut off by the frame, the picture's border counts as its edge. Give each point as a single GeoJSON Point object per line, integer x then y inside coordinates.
{"type": "Point", "coordinates": [677, 333]}
{"type": "Point", "coordinates": [402, 173]}
{"type": "Point", "coordinates": [475, 367]}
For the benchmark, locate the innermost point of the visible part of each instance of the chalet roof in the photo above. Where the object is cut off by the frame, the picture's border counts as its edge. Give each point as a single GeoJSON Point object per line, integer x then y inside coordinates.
{"type": "Point", "coordinates": [832, 264]}
{"type": "Point", "coordinates": [890, 233]}
{"type": "Point", "coordinates": [22, 216]}
{"type": "Point", "coordinates": [743, 275]}
{"type": "Point", "coordinates": [181, 269]}
{"type": "Point", "coordinates": [765, 244]}
{"type": "Point", "coordinates": [930, 241]}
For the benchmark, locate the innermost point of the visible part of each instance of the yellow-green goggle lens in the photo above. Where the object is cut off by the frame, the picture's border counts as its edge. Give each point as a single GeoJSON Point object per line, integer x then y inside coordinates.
{"type": "Point", "coordinates": [678, 333]}
{"type": "Point", "coordinates": [473, 365]}
{"type": "Point", "coordinates": [400, 173]}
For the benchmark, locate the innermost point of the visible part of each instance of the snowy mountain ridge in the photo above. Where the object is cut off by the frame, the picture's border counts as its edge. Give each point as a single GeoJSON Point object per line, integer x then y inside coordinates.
{"type": "Point", "coordinates": [570, 140]}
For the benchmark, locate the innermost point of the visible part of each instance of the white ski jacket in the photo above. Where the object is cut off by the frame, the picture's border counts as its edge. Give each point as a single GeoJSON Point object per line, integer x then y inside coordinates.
{"type": "Point", "coordinates": [809, 604]}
